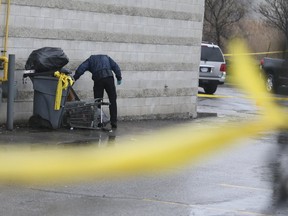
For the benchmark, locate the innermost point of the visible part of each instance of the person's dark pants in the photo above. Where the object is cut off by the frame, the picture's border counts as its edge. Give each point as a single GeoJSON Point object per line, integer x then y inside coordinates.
{"type": "Point", "coordinates": [108, 85]}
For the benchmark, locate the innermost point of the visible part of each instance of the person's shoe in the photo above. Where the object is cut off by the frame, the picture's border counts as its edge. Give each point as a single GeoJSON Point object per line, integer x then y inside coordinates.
{"type": "Point", "coordinates": [114, 125]}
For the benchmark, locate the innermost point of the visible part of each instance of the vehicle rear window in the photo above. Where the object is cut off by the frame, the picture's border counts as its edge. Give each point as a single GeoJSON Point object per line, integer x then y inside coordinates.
{"type": "Point", "coordinates": [211, 54]}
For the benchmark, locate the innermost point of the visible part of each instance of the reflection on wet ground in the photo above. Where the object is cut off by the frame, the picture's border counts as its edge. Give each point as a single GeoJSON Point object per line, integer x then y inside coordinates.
{"type": "Point", "coordinates": [22, 134]}
{"type": "Point", "coordinates": [79, 137]}
{"type": "Point", "coordinates": [108, 141]}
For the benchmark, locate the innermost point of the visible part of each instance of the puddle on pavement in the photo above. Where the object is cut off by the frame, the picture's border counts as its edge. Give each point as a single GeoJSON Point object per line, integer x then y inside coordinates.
{"type": "Point", "coordinates": [97, 142]}
{"type": "Point", "coordinates": [41, 138]}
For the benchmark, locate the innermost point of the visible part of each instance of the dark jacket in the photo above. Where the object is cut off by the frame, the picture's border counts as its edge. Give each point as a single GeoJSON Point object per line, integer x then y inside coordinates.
{"type": "Point", "coordinates": [100, 66]}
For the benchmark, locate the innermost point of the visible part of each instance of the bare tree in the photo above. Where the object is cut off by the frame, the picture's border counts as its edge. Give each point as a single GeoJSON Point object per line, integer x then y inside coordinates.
{"type": "Point", "coordinates": [275, 13]}
{"type": "Point", "coordinates": [220, 15]}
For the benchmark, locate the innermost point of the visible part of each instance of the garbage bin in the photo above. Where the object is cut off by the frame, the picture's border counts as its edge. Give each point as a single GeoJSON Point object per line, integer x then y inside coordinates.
{"type": "Point", "coordinates": [44, 114]}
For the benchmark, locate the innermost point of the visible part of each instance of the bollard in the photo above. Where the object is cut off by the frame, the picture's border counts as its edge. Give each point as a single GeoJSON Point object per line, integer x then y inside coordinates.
{"type": "Point", "coordinates": [1, 92]}
{"type": "Point", "coordinates": [11, 90]}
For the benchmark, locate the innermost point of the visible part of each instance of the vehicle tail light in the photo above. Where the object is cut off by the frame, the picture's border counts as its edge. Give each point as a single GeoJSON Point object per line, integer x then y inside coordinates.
{"type": "Point", "coordinates": [262, 62]}
{"type": "Point", "coordinates": [223, 68]}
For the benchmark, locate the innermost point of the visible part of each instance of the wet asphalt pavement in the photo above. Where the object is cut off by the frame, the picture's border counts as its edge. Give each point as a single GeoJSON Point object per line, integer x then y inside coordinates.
{"type": "Point", "coordinates": [235, 182]}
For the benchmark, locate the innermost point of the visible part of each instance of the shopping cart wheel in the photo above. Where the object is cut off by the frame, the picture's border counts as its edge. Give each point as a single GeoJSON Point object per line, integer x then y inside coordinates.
{"type": "Point", "coordinates": [100, 125]}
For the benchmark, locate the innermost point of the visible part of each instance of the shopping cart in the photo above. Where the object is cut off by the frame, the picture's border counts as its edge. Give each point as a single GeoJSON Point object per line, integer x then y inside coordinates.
{"type": "Point", "coordinates": [86, 114]}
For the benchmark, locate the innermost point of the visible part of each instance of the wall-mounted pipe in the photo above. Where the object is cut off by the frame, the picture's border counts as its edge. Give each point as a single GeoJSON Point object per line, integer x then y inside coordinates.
{"type": "Point", "coordinates": [6, 27]}
{"type": "Point", "coordinates": [4, 57]}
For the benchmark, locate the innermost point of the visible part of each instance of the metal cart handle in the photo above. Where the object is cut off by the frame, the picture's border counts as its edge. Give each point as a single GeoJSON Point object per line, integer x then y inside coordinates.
{"type": "Point", "coordinates": [106, 103]}
{"type": "Point", "coordinates": [100, 101]}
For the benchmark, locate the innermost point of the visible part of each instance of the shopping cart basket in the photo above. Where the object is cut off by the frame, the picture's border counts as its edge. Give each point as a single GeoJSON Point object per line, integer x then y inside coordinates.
{"type": "Point", "coordinates": [86, 114]}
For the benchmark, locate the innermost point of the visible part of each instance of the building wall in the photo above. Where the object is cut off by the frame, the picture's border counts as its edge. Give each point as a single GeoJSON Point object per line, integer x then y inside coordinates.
{"type": "Point", "coordinates": [155, 42]}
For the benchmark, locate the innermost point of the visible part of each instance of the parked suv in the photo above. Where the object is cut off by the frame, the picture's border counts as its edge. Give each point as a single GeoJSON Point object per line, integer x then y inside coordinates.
{"type": "Point", "coordinates": [212, 70]}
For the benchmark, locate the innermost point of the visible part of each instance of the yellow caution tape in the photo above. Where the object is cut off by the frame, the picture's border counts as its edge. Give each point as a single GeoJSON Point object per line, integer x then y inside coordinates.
{"type": "Point", "coordinates": [63, 82]}
{"type": "Point", "coordinates": [246, 75]}
{"type": "Point", "coordinates": [163, 149]}
{"type": "Point", "coordinates": [255, 53]}
{"type": "Point", "coordinates": [245, 97]}
{"type": "Point", "coordinates": [4, 60]}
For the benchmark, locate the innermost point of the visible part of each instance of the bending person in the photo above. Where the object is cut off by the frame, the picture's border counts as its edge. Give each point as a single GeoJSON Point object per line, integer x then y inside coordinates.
{"type": "Point", "coordinates": [102, 68]}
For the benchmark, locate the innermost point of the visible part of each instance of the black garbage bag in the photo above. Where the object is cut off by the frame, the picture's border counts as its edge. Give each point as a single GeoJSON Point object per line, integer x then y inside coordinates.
{"type": "Point", "coordinates": [46, 59]}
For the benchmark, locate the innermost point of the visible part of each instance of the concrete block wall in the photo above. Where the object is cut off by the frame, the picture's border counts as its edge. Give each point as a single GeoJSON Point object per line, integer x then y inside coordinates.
{"type": "Point", "coordinates": [155, 42]}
